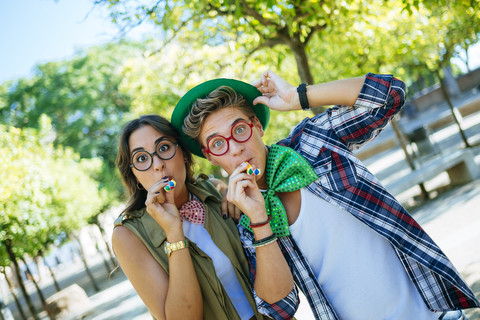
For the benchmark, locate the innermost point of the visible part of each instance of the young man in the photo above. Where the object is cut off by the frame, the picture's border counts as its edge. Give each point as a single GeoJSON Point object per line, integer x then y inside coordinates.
{"type": "Point", "coordinates": [355, 252]}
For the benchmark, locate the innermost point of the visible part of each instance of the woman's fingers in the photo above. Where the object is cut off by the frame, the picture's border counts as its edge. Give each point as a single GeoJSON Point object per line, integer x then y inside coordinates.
{"type": "Point", "coordinates": [161, 192]}
{"type": "Point", "coordinates": [232, 211]}
{"type": "Point", "coordinates": [237, 213]}
{"type": "Point", "coordinates": [229, 209]}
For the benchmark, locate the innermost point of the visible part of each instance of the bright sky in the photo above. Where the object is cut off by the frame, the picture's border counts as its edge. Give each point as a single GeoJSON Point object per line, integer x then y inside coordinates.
{"type": "Point", "coordinates": [38, 31]}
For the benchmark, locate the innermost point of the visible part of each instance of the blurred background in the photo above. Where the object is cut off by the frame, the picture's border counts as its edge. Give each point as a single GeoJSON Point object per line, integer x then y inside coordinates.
{"type": "Point", "coordinates": [73, 72]}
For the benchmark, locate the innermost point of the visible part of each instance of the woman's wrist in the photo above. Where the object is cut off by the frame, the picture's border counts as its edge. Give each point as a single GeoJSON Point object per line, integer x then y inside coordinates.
{"type": "Point", "coordinates": [175, 235]}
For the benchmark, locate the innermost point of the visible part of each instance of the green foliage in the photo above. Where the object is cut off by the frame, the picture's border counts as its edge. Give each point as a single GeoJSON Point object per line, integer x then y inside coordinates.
{"type": "Point", "coordinates": [336, 39]}
{"type": "Point", "coordinates": [45, 191]}
{"type": "Point", "coordinates": [411, 44]}
{"type": "Point", "coordinates": [82, 96]}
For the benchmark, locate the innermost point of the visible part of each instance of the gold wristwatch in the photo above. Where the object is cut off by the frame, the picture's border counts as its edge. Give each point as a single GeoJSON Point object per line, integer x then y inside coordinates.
{"type": "Point", "coordinates": [174, 246]}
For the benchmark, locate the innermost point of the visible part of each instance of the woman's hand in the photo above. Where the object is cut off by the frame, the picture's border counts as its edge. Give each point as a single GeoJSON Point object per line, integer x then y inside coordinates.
{"type": "Point", "coordinates": [161, 206]}
{"type": "Point", "coordinates": [244, 193]}
{"type": "Point", "coordinates": [228, 208]}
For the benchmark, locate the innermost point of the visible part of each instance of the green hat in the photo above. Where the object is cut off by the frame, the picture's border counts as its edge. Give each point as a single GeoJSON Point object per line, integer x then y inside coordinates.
{"type": "Point", "coordinates": [184, 106]}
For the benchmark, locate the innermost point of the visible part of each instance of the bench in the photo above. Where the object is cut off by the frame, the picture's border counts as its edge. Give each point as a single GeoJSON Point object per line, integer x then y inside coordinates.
{"type": "Point", "coordinates": [460, 166]}
{"type": "Point", "coordinates": [445, 118]}
{"type": "Point", "coordinates": [66, 302]}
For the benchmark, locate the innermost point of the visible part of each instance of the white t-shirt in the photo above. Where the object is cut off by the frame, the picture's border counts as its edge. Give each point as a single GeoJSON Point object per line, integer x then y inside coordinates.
{"type": "Point", "coordinates": [357, 268]}
{"type": "Point", "coordinates": [223, 267]}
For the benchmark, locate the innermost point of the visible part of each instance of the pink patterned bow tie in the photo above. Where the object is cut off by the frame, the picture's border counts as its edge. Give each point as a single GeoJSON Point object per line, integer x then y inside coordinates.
{"type": "Point", "coordinates": [193, 211]}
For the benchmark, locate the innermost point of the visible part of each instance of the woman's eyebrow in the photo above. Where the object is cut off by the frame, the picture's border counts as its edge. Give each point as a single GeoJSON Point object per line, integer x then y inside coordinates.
{"type": "Point", "coordinates": [137, 149]}
{"type": "Point", "coordinates": [156, 141]}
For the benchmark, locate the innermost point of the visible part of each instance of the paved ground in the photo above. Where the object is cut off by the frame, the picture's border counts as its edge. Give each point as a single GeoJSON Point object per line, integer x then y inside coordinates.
{"type": "Point", "coordinates": [452, 219]}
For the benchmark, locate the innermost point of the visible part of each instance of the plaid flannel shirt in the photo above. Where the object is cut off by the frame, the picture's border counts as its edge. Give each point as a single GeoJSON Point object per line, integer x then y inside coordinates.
{"type": "Point", "coordinates": [280, 310]}
{"type": "Point", "coordinates": [327, 141]}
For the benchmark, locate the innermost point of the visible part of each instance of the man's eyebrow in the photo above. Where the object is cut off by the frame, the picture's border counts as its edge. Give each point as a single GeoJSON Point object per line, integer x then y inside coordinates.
{"type": "Point", "coordinates": [155, 143]}
{"type": "Point", "coordinates": [216, 133]}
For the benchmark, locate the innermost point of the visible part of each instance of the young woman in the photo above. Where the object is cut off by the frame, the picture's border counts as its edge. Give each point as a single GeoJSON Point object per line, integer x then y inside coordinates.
{"type": "Point", "coordinates": [185, 260]}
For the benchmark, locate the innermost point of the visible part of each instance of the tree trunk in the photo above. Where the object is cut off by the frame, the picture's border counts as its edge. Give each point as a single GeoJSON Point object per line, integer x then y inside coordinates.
{"type": "Point", "coordinates": [455, 112]}
{"type": "Point", "coordinates": [109, 249]}
{"type": "Point", "coordinates": [303, 68]}
{"type": "Point", "coordinates": [12, 291]}
{"type": "Point", "coordinates": [301, 59]}
{"type": "Point", "coordinates": [39, 291]}
{"type": "Point", "coordinates": [20, 280]}
{"type": "Point", "coordinates": [84, 260]}
{"type": "Point", "coordinates": [403, 144]}
{"type": "Point", "coordinates": [57, 287]}
{"type": "Point", "coordinates": [105, 262]}
{"type": "Point", "coordinates": [450, 82]}
{"type": "Point", "coordinates": [467, 59]}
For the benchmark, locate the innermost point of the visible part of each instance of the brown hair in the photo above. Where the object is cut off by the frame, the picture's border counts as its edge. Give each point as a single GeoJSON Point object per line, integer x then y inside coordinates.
{"type": "Point", "coordinates": [222, 97]}
{"type": "Point", "coordinates": [137, 197]}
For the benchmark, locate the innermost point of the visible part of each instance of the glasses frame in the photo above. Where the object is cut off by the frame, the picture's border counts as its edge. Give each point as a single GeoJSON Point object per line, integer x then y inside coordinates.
{"type": "Point", "coordinates": [251, 124]}
{"type": "Point", "coordinates": [175, 144]}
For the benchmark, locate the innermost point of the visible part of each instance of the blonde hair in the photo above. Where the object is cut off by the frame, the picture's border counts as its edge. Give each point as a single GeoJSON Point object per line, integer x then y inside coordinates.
{"type": "Point", "coordinates": [220, 98]}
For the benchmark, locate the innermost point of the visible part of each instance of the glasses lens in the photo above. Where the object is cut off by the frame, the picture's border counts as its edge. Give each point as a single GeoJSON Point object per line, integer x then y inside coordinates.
{"type": "Point", "coordinates": [141, 160]}
{"type": "Point", "coordinates": [166, 149]}
{"type": "Point", "coordinates": [241, 132]}
{"type": "Point", "coordinates": [218, 145]}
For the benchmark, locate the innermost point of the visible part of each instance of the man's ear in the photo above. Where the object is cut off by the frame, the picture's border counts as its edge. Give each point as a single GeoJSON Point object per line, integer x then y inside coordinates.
{"type": "Point", "coordinates": [259, 126]}
{"type": "Point", "coordinates": [209, 158]}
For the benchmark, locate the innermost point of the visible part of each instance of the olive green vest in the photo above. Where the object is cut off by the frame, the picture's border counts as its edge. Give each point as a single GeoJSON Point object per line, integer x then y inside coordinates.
{"type": "Point", "coordinates": [216, 303]}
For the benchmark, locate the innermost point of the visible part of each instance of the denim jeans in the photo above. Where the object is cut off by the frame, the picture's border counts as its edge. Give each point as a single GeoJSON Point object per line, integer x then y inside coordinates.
{"type": "Point", "coordinates": [453, 315]}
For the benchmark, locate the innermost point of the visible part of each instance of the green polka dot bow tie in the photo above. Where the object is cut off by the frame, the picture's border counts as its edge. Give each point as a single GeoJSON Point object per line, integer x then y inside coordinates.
{"type": "Point", "coordinates": [286, 171]}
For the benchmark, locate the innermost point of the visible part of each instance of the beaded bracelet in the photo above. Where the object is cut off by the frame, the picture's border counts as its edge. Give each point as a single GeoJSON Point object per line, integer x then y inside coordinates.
{"type": "Point", "coordinates": [260, 224]}
{"type": "Point", "coordinates": [263, 242]}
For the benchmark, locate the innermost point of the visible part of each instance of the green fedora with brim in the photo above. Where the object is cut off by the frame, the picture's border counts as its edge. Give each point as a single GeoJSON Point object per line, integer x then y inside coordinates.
{"type": "Point", "coordinates": [202, 90]}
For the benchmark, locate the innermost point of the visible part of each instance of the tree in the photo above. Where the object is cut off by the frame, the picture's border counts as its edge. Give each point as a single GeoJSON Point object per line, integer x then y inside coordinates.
{"type": "Point", "coordinates": [329, 35]}
{"type": "Point", "coordinates": [252, 25]}
{"type": "Point", "coordinates": [457, 24]}
{"type": "Point", "coordinates": [45, 191]}
{"type": "Point", "coordinates": [83, 100]}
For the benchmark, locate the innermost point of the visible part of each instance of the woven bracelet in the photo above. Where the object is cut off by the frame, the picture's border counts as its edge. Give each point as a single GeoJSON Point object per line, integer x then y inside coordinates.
{"type": "Point", "coordinates": [264, 241]}
{"type": "Point", "coordinates": [264, 244]}
{"type": "Point", "coordinates": [260, 224]}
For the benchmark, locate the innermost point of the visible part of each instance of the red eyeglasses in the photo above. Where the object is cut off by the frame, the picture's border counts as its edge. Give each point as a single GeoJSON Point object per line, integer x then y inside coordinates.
{"type": "Point", "coordinates": [218, 145]}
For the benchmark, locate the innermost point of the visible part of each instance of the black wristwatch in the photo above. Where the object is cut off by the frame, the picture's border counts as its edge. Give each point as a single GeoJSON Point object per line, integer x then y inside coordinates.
{"type": "Point", "coordinates": [302, 95]}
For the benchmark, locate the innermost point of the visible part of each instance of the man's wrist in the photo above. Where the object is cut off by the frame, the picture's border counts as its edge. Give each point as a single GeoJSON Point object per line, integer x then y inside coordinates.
{"type": "Point", "coordinates": [261, 223]}
{"type": "Point", "coordinates": [257, 216]}
{"type": "Point", "coordinates": [302, 96]}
